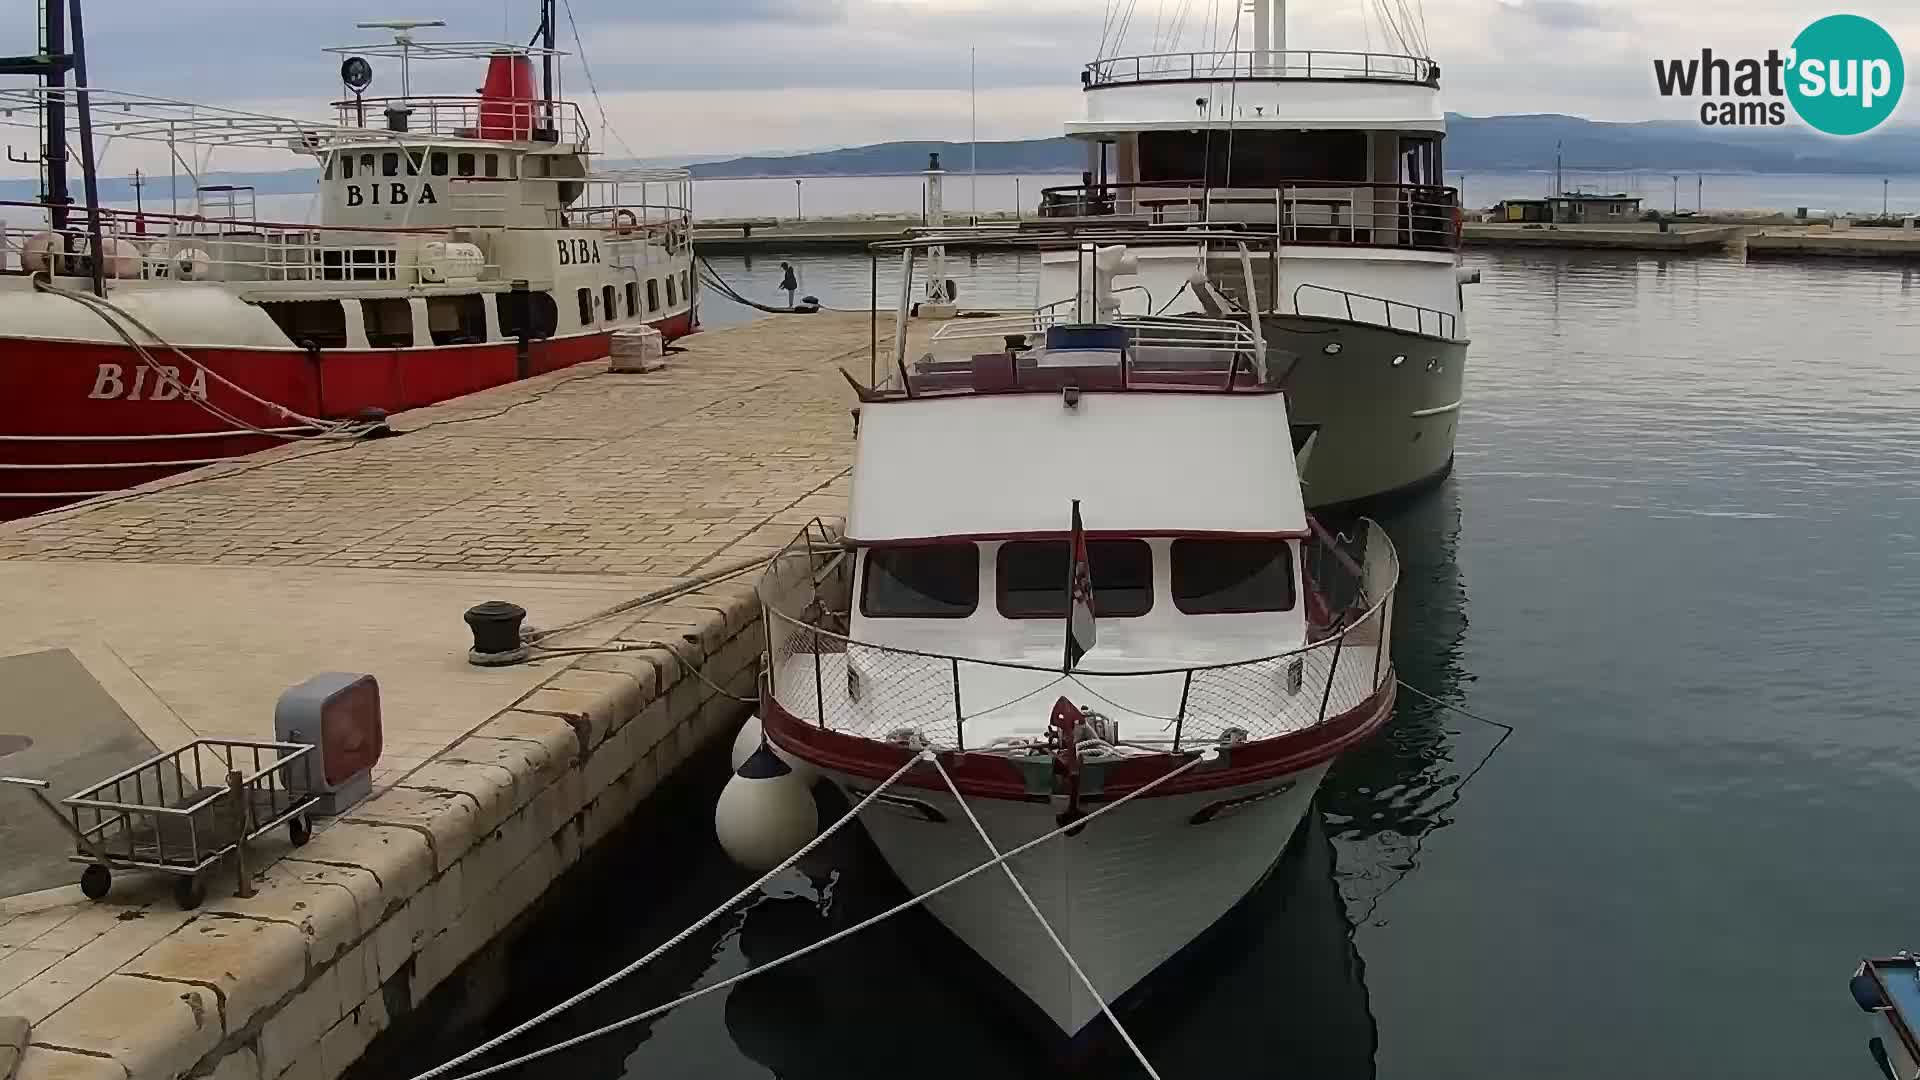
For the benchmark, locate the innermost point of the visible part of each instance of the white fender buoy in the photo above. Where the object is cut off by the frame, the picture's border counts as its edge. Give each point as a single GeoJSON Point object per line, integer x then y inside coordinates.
{"type": "Point", "coordinates": [765, 813]}
{"type": "Point", "coordinates": [38, 255]}
{"type": "Point", "coordinates": [191, 264]}
{"type": "Point", "coordinates": [751, 735]}
{"type": "Point", "coordinates": [123, 258]}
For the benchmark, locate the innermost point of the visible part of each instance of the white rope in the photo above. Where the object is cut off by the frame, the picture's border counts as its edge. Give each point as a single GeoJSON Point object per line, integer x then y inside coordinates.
{"type": "Point", "coordinates": [683, 935]}
{"type": "Point", "coordinates": [905, 905]}
{"type": "Point", "coordinates": [1014, 880]}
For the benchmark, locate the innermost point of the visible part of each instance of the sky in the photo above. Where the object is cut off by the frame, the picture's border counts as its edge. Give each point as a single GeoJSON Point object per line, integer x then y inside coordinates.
{"type": "Point", "coordinates": [711, 78]}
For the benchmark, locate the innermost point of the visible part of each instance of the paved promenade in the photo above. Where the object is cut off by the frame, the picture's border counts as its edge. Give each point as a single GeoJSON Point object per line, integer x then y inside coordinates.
{"type": "Point", "coordinates": [192, 603]}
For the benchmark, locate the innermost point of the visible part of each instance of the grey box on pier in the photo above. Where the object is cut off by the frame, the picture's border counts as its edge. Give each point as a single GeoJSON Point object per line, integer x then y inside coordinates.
{"type": "Point", "coordinates": [338, 713]}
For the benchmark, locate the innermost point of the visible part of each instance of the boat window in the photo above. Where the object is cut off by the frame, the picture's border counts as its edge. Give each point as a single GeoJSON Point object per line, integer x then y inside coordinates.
{"type": "Point", "coordinates": [457, 320]}
{"type": "Point", "coordinates": [463, 164]}
{"type": "Point", "coordinates": [326, 173]}
{"type": "Point", "coordinates": [633, 299]}
{"type": "Point", "coordinates": [653, 296]}
{"type": "Point", "coordinates": [366, 164]}
{"type": "Point", "coordinates": [672, 300]}
{"type": "Point", "coordinates": [610, 302]}
{"type": "Point", "coordinates": [493, 164]}
{"type": "Point", "coordinates": [1260, 159]}
{"type": "Point", "coordinates": [321, 324]}
{"type": "Point", "coordinates": [541, 315]}
{"type": "Point", "coordinates": [1419, 160]}
{"type": "Point", "coordinates": [438, 162]}
{"type": "Point", "coordinates": [1220, 577]}
{"type": "Point", "coordinates": [1031, 578]}
{"type": "Point", "coordinates": [586, 307]}
{"type": "Point", "coordinates": [346, 166]}
{"type": "Point", "coordinates": [415, 159]}
{"type": "Point", "coordinates": [930, 581]}
{"type": "Point", "coordinates": [389, 323]}
{"type": "Point", "coordinates": [390, 163]}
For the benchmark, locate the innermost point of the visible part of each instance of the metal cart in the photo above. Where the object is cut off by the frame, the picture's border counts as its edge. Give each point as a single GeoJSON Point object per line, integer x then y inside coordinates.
{"type": "Point", "coordinates": [182, 812]}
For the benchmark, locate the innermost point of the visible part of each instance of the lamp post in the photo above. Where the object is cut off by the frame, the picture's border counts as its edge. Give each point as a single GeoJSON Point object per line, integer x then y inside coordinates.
{"type": "Point", "coordinates": [797, 215]}
{"type": "Point", "coordinates": [1676, 193]}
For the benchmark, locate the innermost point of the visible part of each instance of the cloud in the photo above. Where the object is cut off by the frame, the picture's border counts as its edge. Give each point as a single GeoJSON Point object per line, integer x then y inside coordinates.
{"type": "Point", "coordinates": [1569, 14]}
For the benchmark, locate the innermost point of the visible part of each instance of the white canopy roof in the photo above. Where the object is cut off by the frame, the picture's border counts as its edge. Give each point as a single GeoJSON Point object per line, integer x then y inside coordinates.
{"type": "Point", "coordinates": [1009, 464]}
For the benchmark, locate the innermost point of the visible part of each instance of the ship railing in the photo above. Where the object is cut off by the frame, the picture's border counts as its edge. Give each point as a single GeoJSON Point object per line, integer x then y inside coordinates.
{"type": "Point", "coordinates": [820, 675]}
{"type": "Point", "coordinates": [487, 119]}
{"type": "Point", "coordinates": [191, 248]}
{"type": "Point", "coordinates": [1376, 310]}
{"type": "Point", "coordinates": [1352, 213]}
{"type": "Point", "coordinates": [1155, 344]}
{"type": "Point", "coordinates": [1211, 66]}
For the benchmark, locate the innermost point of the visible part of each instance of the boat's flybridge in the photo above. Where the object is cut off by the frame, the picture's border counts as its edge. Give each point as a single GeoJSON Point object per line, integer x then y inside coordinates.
{"type": "Point", "coordinates": [941, 616]}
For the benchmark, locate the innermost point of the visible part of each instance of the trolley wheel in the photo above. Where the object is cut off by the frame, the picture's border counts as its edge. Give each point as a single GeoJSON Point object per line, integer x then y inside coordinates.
{"type": "Point", "coordinates": [299, 830]}
{"type": "Point", "coordinates": [95, 880]}
{"type": "Point", "coordinates": [189, 891]}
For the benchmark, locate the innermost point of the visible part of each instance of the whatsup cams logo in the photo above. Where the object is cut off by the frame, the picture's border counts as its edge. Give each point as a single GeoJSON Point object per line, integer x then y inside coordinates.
{"type": "Point", "coordinates": [1842, 75]}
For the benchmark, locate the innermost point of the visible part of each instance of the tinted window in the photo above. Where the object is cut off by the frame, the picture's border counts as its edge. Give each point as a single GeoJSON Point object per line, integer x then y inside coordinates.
{"type": "Point", "coordinates": [633, 299]}
{"type": "Point", "coordinates": [464, 164]}
{"type": "Point", "coordinates": [390, 164]}
{"type": "Point", "coordinates": [609, 302]}
{"type": "Point", "coordinates": [493, 164]}
{"type": "Point", "coordinates": [671, 299]}
{"type": "Point", "coordinates": [389, 323]}
{"type": "Point", "coordinates": [653, 296]}
{"type": "Point", "coordinates": [366, 164]}
{"type": "Point", "coordinates": [1032, 576]}
{"type": "Point", "coordinates": [934, 581]}
{"type": "Point", "coordinates": [1217, 577]}
{"type": "Point", "coordinates": [346, 166]}
{"type": "Point", "coordinates": [539, 315]}
{"type": "Point", "coordinates": [319, 323]}
{"type": "Point", "coordinates": [456, 320]}
{"type": "Point", "coordinates": [586, 307]}
{"type": "Point", "coordinates": [439, 162]}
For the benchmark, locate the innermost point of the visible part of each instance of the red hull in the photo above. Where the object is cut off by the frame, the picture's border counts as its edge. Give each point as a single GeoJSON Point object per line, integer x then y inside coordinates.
{"type": "Point", "coordinates": [70, 431]}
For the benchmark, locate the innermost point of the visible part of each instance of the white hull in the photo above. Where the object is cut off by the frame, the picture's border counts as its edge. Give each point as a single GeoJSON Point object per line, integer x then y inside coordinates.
{"type": "Point", "coordinates": [1125, 894]}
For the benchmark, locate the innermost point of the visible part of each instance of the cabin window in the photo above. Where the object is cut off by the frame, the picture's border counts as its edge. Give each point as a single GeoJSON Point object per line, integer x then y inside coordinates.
{"type": "Point", "coordinates": [1419, 160]}
{"type": "Point", "coordinates": [493, 164]}
{"type": "Point", "coordinates": [389, 323]}
{"type": "Point", "coordinates": [1032, 578]}
{"type": "Point", "coordinates": [346, 166]}
{"type": "Point", "coordinates": [653, 296]}
{"type": "Point", "coordinates": [366, 164]}
{"type": "Point", "coordinates": [586, 307]}
{"type": "Point", "coordinates": [457, 320]}
{"type": "Point", "coordinates": [927, 581]}
{"type": "Point", "coordinates": [463, 164]}
{"type": "Point", "coordinates": [671, 299]}
{"type": "Point", "coordinates": [633, 299]}
{"type": "Point", "coordinates": [415, 159]}
{"type": "Point", "coordinates": [538, 318]}
{"type": "Point", "coordinates": [319, 324]}
{"type": "Point", "coordinates": [438, 163]}
{"type": "Point", "coordinates": [1260, 159]}
{"type": "Point", "coordinates": [1222, 577]}
{"type": "Point", "coordinates": [684, 289]}
{"type": "Point", "coordinates": [610, 301]}
{"type": "Point", "coordinates": [390, 163]}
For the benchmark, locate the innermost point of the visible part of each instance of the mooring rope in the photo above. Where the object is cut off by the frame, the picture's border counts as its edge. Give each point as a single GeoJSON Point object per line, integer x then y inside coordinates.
{"type": "Point", "coordinates": [1065, 953]}
{"type": "Point", "coordinates": [683, 935]}
{"type": "Point", "coordinates": [905, 905]}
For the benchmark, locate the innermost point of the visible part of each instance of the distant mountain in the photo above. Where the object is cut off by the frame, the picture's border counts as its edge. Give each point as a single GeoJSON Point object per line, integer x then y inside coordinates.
{"type": "Point", "coordinates": [1474, 144]}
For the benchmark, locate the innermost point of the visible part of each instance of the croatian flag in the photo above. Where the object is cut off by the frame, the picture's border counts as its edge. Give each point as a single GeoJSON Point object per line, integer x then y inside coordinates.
{"type": "Point", "coordinates": [1080, 629]}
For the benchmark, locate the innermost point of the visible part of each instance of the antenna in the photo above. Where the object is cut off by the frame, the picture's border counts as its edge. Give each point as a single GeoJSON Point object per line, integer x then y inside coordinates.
{"type": "Point", "coordinates": [402, 38]}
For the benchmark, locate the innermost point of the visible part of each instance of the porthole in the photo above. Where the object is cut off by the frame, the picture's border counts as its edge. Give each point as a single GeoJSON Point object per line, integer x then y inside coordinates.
{"type": "Point", "coordinates": [1333, 348]}
{"type": "Point", "coordinates": [1398, 360]}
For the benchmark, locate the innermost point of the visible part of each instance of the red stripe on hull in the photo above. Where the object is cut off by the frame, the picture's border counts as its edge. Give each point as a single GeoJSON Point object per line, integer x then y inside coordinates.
{"type": "Point", "coordinates": [993, 776]}
{"type": "Point", "coordinates": [72, 404]}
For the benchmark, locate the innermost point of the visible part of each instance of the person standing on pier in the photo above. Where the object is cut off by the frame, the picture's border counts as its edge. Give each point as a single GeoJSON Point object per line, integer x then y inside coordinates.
{"type": "Point", "coordinates": [788, 282]}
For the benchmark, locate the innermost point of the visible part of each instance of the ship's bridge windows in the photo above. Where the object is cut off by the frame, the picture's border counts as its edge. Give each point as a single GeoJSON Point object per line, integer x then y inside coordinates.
{"type": "Point", "coordinates": [390, 163]}
{"type": "Point", "coordinates": [366, 164]}
{"type": "Point", "coordinates": [1032, 578]}
{"type": "Point", "coordinates": [540, 316]}
{"type": "Point", "coordinates": [924, 581]}
{"type": "Point", "coordinates": [320, 324]}
{"type": "Point", "coordinates": [457, 320]}
{"type": "Point", "coordinates": [346, 166]}
{"type": "Point", "coordinates": [1231, 576]}
{"type": "Point", "coordinates": [1252, 158]}
{"type": "Point", "coordinates": [463, 165]}
{"type": "Point", "coordinates": [389, 323]}
{"type": "Point", "coordinates": [493, 164]}
{"type": "Point", "coordinates": [437, 163]}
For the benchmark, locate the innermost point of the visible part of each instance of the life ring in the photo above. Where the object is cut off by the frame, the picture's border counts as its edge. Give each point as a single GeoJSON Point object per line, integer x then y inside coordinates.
{"type": "Point", "coordinates": [625, 221]}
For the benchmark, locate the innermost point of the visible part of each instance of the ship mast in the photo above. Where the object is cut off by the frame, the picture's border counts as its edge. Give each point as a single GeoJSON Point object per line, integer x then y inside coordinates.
{"type": "Point", "coordinates": [50, 64]}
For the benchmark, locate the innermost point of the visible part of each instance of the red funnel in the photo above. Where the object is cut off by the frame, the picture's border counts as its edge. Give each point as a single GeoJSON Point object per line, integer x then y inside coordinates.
{"type": "Point", "coordinates": [506, 100]}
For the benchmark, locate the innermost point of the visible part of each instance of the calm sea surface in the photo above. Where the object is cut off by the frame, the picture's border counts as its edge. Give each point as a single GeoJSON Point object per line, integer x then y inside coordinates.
{"type": "Point", "coordinates": [1678, 555]}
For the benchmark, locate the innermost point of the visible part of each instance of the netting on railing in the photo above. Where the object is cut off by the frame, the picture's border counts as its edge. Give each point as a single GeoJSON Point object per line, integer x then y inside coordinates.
{"type": "Point", "coordinates": [820, 676]}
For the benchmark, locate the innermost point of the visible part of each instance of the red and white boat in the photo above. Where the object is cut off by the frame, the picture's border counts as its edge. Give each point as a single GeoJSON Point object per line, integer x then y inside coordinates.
{"type": "Point", "coordinates": [1230, 640]}
{"type": "Point", "coordinates": [457, 243]}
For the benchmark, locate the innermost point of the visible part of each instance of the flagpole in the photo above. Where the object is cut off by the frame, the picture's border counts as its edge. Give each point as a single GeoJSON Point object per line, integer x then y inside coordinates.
{"type": "Point", "coordinates": [1073, 571]}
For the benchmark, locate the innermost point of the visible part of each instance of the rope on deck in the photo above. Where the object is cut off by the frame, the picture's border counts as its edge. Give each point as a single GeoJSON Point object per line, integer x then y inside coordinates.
{"type": "Point", "coordinates": [905, 905]}
{"type": "Point", "coordinates": [1014, 880]}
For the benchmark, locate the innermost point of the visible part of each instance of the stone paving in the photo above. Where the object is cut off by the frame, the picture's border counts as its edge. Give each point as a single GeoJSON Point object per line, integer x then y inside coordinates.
{"type": "Point", "coordinates": [193, 600]}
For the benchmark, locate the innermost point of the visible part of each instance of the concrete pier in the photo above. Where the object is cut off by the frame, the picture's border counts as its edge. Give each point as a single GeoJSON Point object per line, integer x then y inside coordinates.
{"type": "Point", "coordinates": [1624, 237]}
{"type": "Point", "coordinates": [1827, 242]}
{"type": "Point", "coordinates": [193, 602]}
